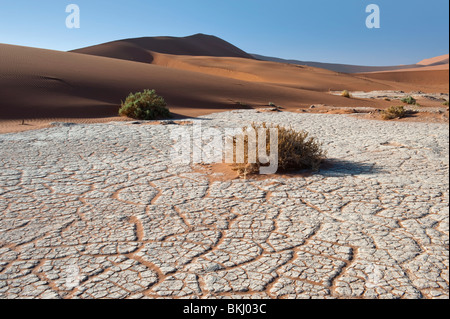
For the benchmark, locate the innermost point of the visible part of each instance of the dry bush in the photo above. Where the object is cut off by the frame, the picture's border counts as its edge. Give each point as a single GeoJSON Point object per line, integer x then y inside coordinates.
{"type": "Point", "coordinates": [394, 112]}
{"type": "Point", "coordinates": [346, 94]}
{"type": "Point", "coordinates": [296, 151]}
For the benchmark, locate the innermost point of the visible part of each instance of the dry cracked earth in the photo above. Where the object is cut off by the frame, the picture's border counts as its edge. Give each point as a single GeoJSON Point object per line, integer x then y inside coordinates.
{"type": "Point", "coordinates": [100, 211]}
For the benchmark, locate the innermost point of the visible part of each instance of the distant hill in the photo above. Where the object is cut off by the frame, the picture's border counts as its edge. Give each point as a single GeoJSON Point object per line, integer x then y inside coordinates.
{"type": "Point", "coordinates": [140, 49]}
{"type": "Point", "coordinates": [440, 60]}
{"type": "Point", "coordinates": [438, 63]}
{"type": "Point", "coordinates": [145, 50]}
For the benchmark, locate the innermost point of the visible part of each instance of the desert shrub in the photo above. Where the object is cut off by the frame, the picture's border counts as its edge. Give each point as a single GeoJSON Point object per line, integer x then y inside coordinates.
{"type": "Point", "coordinates": [275, 106]}
{"type": "Point", "coordinates": [445, 103]}
{"type": "Point", "coordinates": [346, 94]}
{"type": "Point", "coordinates": [394, 112]}
{"type": "Point", "coordinates": [409, 100]}
{"type": "Point", "coordinates": [146, 105]}
{"type": "Point", "coordinates": [296, 151]}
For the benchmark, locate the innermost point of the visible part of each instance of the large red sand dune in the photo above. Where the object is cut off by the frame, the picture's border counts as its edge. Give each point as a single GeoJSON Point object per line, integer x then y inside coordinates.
{"type": "Point", "coordinates": [140, 49]}
{"type": "Point", "coordinates": [196, 75]}
{"type": "Point", "coordinates": [211, 55]}
{"type": "Point", "coordinates": [294, 76]}
{"type": "Point", "coordinates": [214, 56]}
{"type": "Point", "coordinates": [43, 83]}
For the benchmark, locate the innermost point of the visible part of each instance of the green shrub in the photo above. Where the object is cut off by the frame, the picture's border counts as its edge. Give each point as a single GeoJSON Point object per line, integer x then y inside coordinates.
{"type": "Point", "coordinates": [296, 151]}
{"type": "Point", "coordinates": [409, 100]}
{"type": "Point", "coordinates": [445, 103]}
{"type": "Point", "coordinates": [346, 94]}
{"type": "Point", "coordinates": [394, 112]}
{"type": "Point", "coordinates": [146, 105]}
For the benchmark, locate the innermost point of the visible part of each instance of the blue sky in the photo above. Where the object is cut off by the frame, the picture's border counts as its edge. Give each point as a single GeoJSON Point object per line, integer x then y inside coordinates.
{"type": "Point", "coordinates": [313, 30]}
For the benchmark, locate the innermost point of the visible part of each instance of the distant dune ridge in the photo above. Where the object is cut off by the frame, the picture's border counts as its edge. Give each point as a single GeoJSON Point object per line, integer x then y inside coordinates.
{"type": "Point", "coordinates": [440, 60]}
{"type": "Point", "coordinates": [196, 75]}
{"type": "Point", "coordinates": [437, 63]}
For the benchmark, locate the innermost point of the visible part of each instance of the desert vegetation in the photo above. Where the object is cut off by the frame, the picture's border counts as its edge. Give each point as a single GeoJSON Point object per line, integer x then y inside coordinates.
{"type": "Point", "coordinates": [275, 107]}
{"type": "Point", "coordinates": [409, 100]}
{"type": "Point", "coordinates": [394, 112]}
{"type": "Point", "coordinates": [296, 151]}
{"type": "Point", "coordinates": [346, 94]}
{"type": "Point", "coordinates": [146, 105]}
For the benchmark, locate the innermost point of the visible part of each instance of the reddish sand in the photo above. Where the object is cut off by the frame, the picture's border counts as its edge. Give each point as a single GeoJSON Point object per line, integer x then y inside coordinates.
{"type": "Point", "coordinates": [196, 75]}
{"type": "Point", "coordinates": [436, 81]}
{"type": "Point", "coordinates": [433, 64]}
{"type": "Point", "coordinates": [141, 49]}
{"type": "Point", "coordinates": [437, 63]}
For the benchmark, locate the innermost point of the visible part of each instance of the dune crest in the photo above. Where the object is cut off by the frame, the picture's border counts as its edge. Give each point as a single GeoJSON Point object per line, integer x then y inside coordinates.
{"type": "Point", "coordinates": [140, 49]}
{"type": "Point", "coordinates": [439, 60]}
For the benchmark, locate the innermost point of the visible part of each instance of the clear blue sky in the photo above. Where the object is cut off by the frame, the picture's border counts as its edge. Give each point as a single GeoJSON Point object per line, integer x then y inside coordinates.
{"type": "Point", "coordinates": [309, 30]}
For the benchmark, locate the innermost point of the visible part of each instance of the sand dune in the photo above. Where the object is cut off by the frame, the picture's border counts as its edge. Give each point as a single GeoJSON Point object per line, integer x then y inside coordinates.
{"type": "Point", "coordinates": [37, 83]}
{"type": "Point", "coordinates": [196, 75]}
{"type": "Point", "coordinates": [219, 58]}
{"type": "Point", "coordinates": [294, 76]}
{"type": "Point", "coordinates": [201, 45]}
{"type": "Point", "coordinates": [439, 60]}
{"type": "Point", "coordinates": [438, 67]}
{"type": "Point", "coordinates": [140, 49]}
{"type": "Point", "coordinates": [342, 68]}
{"type": "Point", "coordinates": [438, 63]}
{"type": "Point", "coordinates": [211, 55]}
{"type": "Point", "coordinates": [427, 80]}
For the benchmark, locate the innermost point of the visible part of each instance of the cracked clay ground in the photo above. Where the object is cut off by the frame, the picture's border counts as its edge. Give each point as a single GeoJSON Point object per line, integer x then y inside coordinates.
{"type": "Point", "coordinates": [100, 211]}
